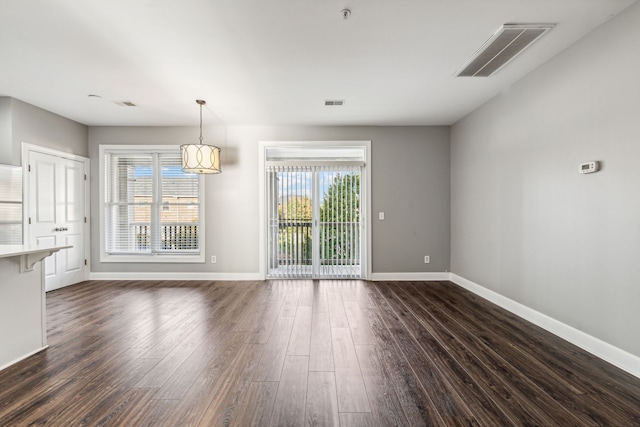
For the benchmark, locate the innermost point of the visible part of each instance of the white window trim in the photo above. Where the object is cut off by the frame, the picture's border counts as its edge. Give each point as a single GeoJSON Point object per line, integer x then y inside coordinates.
{"type": "Point", "coordinates": [148, 258]}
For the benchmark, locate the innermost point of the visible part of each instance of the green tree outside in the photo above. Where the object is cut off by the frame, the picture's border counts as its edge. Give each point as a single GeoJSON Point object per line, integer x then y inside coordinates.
{"type": "Point", "coordinates": [340, 221]}
{"type": "Point", "coordinates": [295, 234]}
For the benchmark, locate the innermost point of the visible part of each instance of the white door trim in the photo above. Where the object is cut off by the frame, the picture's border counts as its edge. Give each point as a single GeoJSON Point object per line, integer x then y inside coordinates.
{"type": "Point", "coordinates": [366, 182]}
{"type": "Point", "coordinates": [25, 149]}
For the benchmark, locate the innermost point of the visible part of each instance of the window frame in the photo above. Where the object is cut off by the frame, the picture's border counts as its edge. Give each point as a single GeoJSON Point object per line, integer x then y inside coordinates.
{"type": "Point", "coordinates": [152, 257]}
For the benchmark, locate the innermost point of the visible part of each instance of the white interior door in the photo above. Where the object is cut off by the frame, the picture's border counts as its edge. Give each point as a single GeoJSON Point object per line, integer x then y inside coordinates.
{"type": "Point", "coordinates": [56, 214]}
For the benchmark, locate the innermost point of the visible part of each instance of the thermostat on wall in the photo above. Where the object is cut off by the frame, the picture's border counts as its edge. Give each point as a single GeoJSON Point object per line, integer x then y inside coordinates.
{"type": "Point", "coordinates": [589, 167]}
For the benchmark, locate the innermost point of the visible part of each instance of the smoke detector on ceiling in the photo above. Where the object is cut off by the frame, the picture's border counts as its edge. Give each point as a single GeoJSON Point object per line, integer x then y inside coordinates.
{"type": "Point", "coordinates": [509, 41]}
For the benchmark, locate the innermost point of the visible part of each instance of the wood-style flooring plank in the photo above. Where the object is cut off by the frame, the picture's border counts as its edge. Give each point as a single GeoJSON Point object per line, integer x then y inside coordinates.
{"type": "Point", "coordinates": [259, 316]}
{"type": "Point", "coordinates": [125, 407]}
{"type": "Point", "coordinates": [301, 334]}
{"type": "Point", "coordinates": [358, 420]}
{"type": "Point", "coordinates": [258, 404]}
{"type": "Point", "coordinates": [291, 300]}
{"type": "Point", "coordinates": [38, 404]}
{"type": "Point", "coordinates": [344, 352]}
{"type": "Point", "coordinates": [351, 393]}
{"type": "Point", "coordinates": [322, 400]}
{"type": "Point", "coordinates": [289, 406]}
{"type": "Point", "coordinates": [192, 407]}
{"type": "Point", "coordinates": [186, 374]}
{"type": "Point", "coordinates": [307, 290]}
{"type": "Point", "coordinates": [358, 325]}
{"type": "Point", "coordinates": [321, 349]}
{"type": "Point", "coordinates": [172, 361]}
{"type": "Point", "coordinates": [270, 366]}
{"type": "Point", "coordinates": [153, 413]}
{"type": "Point", "coordinates": [231, 393]}
{"type": "Point", "coordinates": [337, 315]}
{"type": "Point", "coordinates": [385, 406]}
{"type": "Point", "coordinates": [320, 301]}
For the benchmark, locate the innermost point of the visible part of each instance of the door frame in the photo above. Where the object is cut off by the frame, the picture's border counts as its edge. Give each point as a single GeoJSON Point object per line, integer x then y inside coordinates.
{"type": "Point", "coordinates": [25, 150]}
{"type": "Point", "coordinates": [262, 196]}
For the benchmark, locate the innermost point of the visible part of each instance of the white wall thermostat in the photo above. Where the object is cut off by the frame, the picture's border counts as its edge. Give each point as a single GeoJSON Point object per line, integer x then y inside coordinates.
{"type": "Point", "coordinates": [589, 167]}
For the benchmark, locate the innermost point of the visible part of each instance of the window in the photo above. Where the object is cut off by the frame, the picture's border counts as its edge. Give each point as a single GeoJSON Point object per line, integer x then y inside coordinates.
{"type": "Point", "coordinates": [151, 210]}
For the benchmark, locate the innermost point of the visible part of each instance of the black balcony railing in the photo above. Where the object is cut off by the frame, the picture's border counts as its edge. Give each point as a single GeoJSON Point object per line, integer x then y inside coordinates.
{"type": "Point", "coordinates": [294, 242]}
{"type": "Point", "coordinates": [178, 237]}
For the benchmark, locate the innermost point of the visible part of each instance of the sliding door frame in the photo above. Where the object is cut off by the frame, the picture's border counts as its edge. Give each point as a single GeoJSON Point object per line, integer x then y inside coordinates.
{"type": "Point", "coordinates": [366, 194]}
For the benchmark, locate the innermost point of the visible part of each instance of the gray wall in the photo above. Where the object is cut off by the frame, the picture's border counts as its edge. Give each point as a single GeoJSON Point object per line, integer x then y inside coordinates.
{"type": "Point", "coordinates": [525, 223]}
{"type": "Point", "coordinates": [410, 184]}
{"type": "Point", "coordinates": [40, 127]}
{"type": "Point", "coordinates": [6, 142]}
{"type": "Point", "coordinates": [21, 122]}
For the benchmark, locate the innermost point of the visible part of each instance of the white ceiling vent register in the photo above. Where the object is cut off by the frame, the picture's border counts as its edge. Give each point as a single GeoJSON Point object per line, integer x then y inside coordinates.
{"type": "Point", "coordinates": [501, 48]}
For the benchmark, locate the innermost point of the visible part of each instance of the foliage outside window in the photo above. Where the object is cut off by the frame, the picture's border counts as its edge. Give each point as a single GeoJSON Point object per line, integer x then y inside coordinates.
{"type": "Point", "coordinates": [340, 221]}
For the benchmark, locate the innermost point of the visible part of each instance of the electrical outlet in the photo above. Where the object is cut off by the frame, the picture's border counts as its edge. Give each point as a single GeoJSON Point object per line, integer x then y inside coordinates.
{"type": "Point", "coordinates": [427, 259]}
{"type": "Point", "coordinates": [213, 259]}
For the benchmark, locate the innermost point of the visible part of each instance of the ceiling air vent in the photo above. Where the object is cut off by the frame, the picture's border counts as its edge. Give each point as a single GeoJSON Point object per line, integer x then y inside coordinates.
{"type": "Point", "coordinates": [333, 102]}
{"type": "Point", "coordinates": [125, 103]}
{"type": "Point", "coordinates": [501, 48]}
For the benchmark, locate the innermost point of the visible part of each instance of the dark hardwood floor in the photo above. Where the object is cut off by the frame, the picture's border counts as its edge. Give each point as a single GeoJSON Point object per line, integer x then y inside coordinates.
{"type": "Point", "coordinates": [294, 353]}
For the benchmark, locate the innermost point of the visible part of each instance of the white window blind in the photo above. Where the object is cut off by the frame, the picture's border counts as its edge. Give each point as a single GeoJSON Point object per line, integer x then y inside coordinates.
{"type": "Point", "coordinates": [314, 221]}
{"type": "Point", "coordinates": [151, 206]}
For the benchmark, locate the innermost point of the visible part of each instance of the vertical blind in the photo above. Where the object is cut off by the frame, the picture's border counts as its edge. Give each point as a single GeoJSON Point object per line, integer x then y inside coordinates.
{"type": "Point", "coordinates": [314, 221]}
{"type": "Point", "coordinates": [339, 225]}
{"type": "Point", "coordinates": [151, 205]}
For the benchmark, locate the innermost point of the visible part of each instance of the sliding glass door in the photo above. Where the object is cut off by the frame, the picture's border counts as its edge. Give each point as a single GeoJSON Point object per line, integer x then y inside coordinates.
{"type": "Point", "coordinates": [314, 221]}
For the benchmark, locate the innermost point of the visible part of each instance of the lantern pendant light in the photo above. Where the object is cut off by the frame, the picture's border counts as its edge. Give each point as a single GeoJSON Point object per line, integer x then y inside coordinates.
{"type": "Point", "coordinates": [200, 158]}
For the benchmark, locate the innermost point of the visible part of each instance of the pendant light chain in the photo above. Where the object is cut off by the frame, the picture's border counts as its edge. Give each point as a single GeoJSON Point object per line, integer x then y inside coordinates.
{"type": "Point", "coordinates": [200, 102]}
{"type": "Point", "coordinates": [201, 125]}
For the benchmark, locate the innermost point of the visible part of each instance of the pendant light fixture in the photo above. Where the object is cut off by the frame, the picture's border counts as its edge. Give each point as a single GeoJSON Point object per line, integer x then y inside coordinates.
{"type": "Point", "coordinates": [200, 158]}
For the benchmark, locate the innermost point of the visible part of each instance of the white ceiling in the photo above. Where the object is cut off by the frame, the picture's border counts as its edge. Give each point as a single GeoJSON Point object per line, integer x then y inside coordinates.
{"type": "Point", "coordinates": [264, 62]}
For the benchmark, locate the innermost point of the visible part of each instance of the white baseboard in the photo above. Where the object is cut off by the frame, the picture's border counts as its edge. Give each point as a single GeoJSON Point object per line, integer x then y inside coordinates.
{"type": "Point", "coordinates": [614, 355]}
{"type": "Point", "coordinates": [377, 277]}
{"type": "Point", "coordinates": [31, 353]}
{"type": "Point", "coordinates": [174, 276]}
